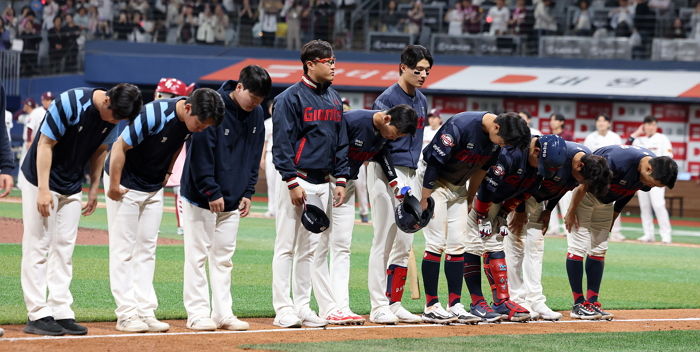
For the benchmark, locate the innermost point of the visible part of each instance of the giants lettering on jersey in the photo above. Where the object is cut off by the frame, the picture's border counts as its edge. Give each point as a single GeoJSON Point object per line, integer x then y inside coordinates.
{"type": "Point", "coordinates": [467, 156]}
{"type": "Point", "coordinates": [311, 114]}
{"type": "Point", "coordinates": [621, 191]}
{"type": "Point", "coordinates": [359, 155]}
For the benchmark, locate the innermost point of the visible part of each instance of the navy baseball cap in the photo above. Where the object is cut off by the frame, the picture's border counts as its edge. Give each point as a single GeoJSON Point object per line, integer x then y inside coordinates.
{"type": "Point", "coordinates": [552, 154]}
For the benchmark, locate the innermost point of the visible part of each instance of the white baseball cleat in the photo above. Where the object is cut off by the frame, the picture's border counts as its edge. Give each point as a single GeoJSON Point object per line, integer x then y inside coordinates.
{"type": "Point", "coordinates": [233, 323]}
{"type": "Point", "coordinates": [155, 325]}
{"type": "Point", "coordinates": [383, 315]}
{"type": "Point", "coordinates": [310, 319]}
{"type": "Point", "coordinates": [201, 324]}
{"type": "Point", "coordinates": [546, 313]}
{"type": "Point", "coordinates": [463, 317]}
{"type": "Point", "coordinates": [404, 315]}
{"type": "Point", "coordinates": [132, 324]}
{"type": "Point", "coordinates": [287, 319]}
{"type": "Point", "coordinates": [438, 315]}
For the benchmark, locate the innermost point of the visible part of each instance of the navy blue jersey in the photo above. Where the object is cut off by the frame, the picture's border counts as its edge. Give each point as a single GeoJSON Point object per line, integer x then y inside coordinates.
{"type": "Point", "coordinates": [7, 162]}
{"type": "Point", "coordinates": [405, 151]}
{"type": "Point", "coordinates": [365, 140]}
{"type": "Point", "coordinates": [555, 187]}
{"type": "Point", "coordinates": [224, 161]}
{"type": "Point", "coordinates": [75, 123]}
{"type": "Point", "coordinates": [156, 136]}
{"type": "Point", "coordinates": [459, 148]}
{"type": "Point", "coordinates": [309, 132]}
{"type": "Point", "coordinates": [623, 161]}
{"type": "Point", "coordinates": [509, 177]}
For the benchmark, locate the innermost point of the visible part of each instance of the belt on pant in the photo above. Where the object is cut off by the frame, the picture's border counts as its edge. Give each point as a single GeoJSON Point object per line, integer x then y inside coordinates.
{"type": "Point", "coordinates": [313, 176]}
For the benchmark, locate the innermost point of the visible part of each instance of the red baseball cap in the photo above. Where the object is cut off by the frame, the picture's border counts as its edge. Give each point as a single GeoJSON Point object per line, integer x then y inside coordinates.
{"type": "Point", "coordinates": [47, 95]}
{"type": "Point", "coordinates": [174, 86]}
{"type": "Point", "coordinates": [30, 102]}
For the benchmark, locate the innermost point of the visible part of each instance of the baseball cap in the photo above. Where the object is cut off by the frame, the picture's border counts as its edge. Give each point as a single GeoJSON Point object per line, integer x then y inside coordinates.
{"type": "Point", "coordinates": [30, 102]}
{"type": "Point", "coordinates": [552, 154]}
{"type": "Point", "coordinates": [434, 112]}
{"type": "Point", "coordinates": [47, 95]}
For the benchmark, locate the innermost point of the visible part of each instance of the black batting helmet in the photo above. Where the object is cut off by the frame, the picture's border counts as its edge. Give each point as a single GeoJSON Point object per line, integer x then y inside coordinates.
{"type": "Point", "coordinates": [408, 215]}
{"type": "Point", "coordinates": [314, 219]}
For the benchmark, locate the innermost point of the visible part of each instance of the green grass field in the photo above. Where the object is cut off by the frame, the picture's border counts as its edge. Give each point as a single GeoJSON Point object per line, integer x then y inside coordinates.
{"type": "Point", "coordinates": [668, 341]}
{"type": "Point", "coordinates": [637, 275]}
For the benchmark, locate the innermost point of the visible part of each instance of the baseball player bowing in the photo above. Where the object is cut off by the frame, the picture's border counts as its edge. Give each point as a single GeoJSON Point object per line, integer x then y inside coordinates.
{"type": "Point", "coordinates": [138, 166]}
{"type": "Point", "coordinates": [75, 133]}
{"type": "Point", "coordinates": [310, 145]}
{"type": "Point", "coordinates": [388, 258]}
{"type": "Point", "coordinates": [525, 249]}
{"type": "Point", "coordinates": [218, 182]}
{"type": "Point", "coordinates": [590, 218]}
{"type": "Point", "coordinates": [516, 170]}
{"type": "Point", "coordinates": [462, 150]}
{"type": "Point", "coordinates": [368, 130]}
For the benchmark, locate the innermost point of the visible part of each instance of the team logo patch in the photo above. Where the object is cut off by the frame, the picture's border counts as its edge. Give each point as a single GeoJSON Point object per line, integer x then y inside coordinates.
{"type": "Point", "coordinates": [226, 132]}
{"type": "Point", "coordinates": [520, 171]}
{"type": "Point", "coordinates": [470, 145]}
{"type": "Point", "coordinates": [623, 182]}
{"type": "Point", "coordinates": [447, 140]}
{"type": "Point", "coordinates": [359, 143]}
{"type": "Point", "coordinates": [557, 178]}
{"type": "Point", "coordinates": [498, 170]}
{"type": "Point", "coordinates": [255, 128]}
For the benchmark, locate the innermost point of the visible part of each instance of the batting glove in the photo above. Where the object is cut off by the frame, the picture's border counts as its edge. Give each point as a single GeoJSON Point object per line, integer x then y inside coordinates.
{"type": "Point", "coordinates": [485, 227]}
{"type": "Point", "coordinates": [399, 191]}
{"type": "Point", "coordinates": [502, 222]}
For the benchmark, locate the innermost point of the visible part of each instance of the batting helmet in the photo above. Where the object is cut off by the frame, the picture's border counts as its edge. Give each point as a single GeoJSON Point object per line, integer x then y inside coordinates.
{"type": "Point", "coordinates": [408, 215]}
{"type": "Point", "coordinates": [314, 219]}
{"type": "Point", "coordinates": [552, 154]}
{"type": "Point", "coordinates": [427, 214]}
{"type": "Point", "coordinates": [174, 86]}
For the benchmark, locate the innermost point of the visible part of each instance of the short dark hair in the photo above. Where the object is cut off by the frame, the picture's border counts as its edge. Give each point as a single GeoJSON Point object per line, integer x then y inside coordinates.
{"type": "Point", "coordinates": [412, 54]}
{"type": "Point", "coordinates": [665, 170]}
{"type": "Point", "coordinates": [207, 104]}
{"type": "Point", "coordinates": [256, 80]}
{"type": "Point", "coordinates": [650, 119]}
{"type": "Point", "coordinates": [513, 130]}
{"type": "Point", "coordinates": [315, 49]}
{"type": "Point", "coordinates": [605, 116]}
{"type": "Point", "coordinates": [125, 101]}
{"type": "Point", "coordinates": [404, 118]}
{"type": "Point", "coordinates": [597, 174]}
{"type": "Point", "coordinates": [526, 113]}
{"type": "Point", "coordinates": [558, 117]}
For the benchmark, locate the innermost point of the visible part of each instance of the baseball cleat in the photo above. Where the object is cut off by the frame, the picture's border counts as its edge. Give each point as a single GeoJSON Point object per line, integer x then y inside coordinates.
{"type": "Point", "coordinates": [201, 324]}
{"type": "Point", "coordinates": [512, 311]}
{"type": "Point", "coordinates": [546, 313]}
{"type": "Point", "coordinates": [71, 327]}
{"type": "Point", "coordinates": [598, 308]}
{"type": "Point", "coordinates": [354, 318]}
{"type": "Point", "coordinates": [404, 315]}
{"type": "Point", "coordinates": [132, 324]}
{"type": "Point", "coordinates": [287, 319]}
{"type": "Point", "coordinates": [233, 323]}
{"type": "Point", "coordinates": [584, 311]}
{"type": "Point", "coordinates": [338, 317]}
{"type": "Point", "coordinates": [436, 314]}
{"type": "Point", "coordinates": [310, 319]}
{"type": "Point", "coordinates": [484, 311]}
{"type": "Point", "coordinates": [44, 326]}
{"type": "Point", "coordinates": [463, 317]}
{"type": "Point", "coordinates": [383, 315]}
{"type": "Point", "coordinates": [155, 325]}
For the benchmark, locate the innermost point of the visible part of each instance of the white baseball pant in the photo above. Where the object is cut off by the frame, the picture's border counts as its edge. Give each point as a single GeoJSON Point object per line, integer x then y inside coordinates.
{"type": "Point", "coordinates": [361, 190]}
{"type": "Point", "coordinates": [331, 290]}
{"type": "Point", "coordinates": [591, 236]}
{"type": "Point", "coordinates": [273, 179]}
{"type": "Point", "coordinates": [209, 238]}
{"type": "Point", "coordinates": [525, 253]}
{"type": "Point", "coordinates": [294, 250]}
{"type": "Point", "coordinates": [178, 206]}
{"type": "Point", "coordinates": [47, 253]}
{"type": "Point", "coordinates": [446, 232]}
{"type": "Point", "coordinates": [654, 199]}
{"type": "Point", "coordinates": [389, 245]}
{"type": "Point", "coordinates": [133, 225]}
{"type": "Point", "coordinates": [476, 245]}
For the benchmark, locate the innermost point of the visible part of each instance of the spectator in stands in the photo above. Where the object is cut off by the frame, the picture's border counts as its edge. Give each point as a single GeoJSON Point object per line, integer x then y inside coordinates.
{"type": "Point", "coordinates": [695, 23]}
{"type": "Point", "coordinates": [5, 39]}
{"type": "Point", "coordinates": [82, 19]}
{"type": "Point", "coordinates": [528, 118]}
{"type": "Point", "coordinates": [293, 18]}
{"type": "Point", "coordinates": [68, 8]}
{"type": "Point", "coordinates": [139, 5]}
{"type": "Point", "coordinates": [30, 33]}
{"type": "Point", "coordinates": [221, 26]}
{"type": "Point", "coordinates": [186, 22]}
{"type": "Point", "coordinates": [72, 33]}
{"type": "Point", "coordinates": [678, 29]}
{"type": "Point", "coordinates": [10, 20]}
{"type": "Point", "coordinates": [498, 17]}
{"type": "Point", "coordinates": [392, 18]}
{"type": "Point", "coordinates": [455, 19]}
{"type": "Point", "coordinates": [268, 21]}
{"type": "Point", "coordinates": [141, 32]}
{"type": "Point", "coordinates": [645, 25]}
{"type": "Point", "coordinates": [49, 13]}
{"type": "Point", "coordinates": [518, 20]}
{"type": "Point", "coordinates": [556, 126]}
{"type": "Point", "coordinates": [415, 18]}
{"type": "Point", "coordinates": [583, 19]}
{"type": "Point", "coordinates": [472, 17]}
{"type": "Point", "coordinates": [323, 14]}
{"type": "Point", "coordinates": [247, 19]}
{"type": "Point", "coordinates": [57, 44]}
{"type": "Point", "coordinates": [545, 23]}
{"type": "Point", "coordinates": [123, 26]}
{"type": "Point", "coordinates": [206, 23]}
{"type": "Point", "coordinates": [622, 19]}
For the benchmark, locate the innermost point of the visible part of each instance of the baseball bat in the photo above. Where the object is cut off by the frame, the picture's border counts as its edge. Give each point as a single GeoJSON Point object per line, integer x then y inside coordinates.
{"type": "Point", "coordinates": [413, 276]}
